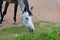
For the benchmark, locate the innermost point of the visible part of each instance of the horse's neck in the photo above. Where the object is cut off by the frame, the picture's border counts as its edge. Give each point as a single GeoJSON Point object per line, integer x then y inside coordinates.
{"type": "Point", "coordinates": [21, 4]}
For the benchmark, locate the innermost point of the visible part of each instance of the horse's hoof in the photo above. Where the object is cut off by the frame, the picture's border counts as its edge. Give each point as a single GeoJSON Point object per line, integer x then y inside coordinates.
{"type": "Point", "coordinates": [0, 25]}
{"type": "Point", "coordinates": [3, 20]}
{"type": "Point", "coordinates": [15, 23]}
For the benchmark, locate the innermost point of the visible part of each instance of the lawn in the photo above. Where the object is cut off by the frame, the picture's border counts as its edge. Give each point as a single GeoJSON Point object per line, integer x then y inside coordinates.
{"type": "Point", "coordinates": [43, 31]}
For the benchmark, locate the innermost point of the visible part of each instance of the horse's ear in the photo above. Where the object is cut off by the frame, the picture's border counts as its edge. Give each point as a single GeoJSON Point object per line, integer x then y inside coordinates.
{"type": "Point", "coordinates": [31, 8]}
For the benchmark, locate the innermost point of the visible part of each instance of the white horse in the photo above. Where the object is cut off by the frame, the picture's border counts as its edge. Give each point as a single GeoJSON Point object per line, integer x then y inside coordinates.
{"type": "Point", "coordinates": [25, 13]}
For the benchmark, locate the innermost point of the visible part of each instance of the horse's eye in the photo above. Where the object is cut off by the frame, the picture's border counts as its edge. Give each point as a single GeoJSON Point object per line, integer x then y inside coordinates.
{"type": "Point", "coordinates": [26, 18]}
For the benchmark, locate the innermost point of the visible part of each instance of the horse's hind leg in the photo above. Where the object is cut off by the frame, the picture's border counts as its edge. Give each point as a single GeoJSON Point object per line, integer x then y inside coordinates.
{"type": "Point", "coordinates": [5, 10]}
{"type": "Point", "coordinates": [1, 2]}
{"type": "Point", "coordinates": [15, 11]}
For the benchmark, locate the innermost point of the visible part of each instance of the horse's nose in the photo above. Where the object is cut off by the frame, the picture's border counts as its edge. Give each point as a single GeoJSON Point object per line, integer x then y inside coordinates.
{"type": "Point", "coordinates": [31, 30]}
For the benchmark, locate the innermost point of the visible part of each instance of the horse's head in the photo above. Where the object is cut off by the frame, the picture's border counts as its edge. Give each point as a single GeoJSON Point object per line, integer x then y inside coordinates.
{"type": "Point", "coordinates": [27, 18]}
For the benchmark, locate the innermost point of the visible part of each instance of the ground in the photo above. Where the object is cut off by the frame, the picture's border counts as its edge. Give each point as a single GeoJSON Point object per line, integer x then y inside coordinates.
{"type": "Point", "coordinates": [43, 31]}
{"type": "Point", "coordinates": [45, 10]}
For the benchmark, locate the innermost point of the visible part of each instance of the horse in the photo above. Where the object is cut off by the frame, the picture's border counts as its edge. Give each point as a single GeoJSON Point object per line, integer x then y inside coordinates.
{"type": "Point", "coordinates": [25, 12]}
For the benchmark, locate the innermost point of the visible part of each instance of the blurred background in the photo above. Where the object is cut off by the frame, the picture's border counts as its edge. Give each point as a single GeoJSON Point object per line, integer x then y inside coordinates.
{"type": "Point", "coordinates": [43, 10]}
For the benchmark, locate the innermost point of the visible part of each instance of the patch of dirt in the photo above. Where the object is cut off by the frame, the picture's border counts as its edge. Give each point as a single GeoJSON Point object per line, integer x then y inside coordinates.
{"type": "Point", "coordinates": [46, 10]}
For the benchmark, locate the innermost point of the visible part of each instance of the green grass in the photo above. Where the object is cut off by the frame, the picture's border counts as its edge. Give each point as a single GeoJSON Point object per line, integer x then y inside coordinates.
{"type": "Point", "coordinates": [43, 31]}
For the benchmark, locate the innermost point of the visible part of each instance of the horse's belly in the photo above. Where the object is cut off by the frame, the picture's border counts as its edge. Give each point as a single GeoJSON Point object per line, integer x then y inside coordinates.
{"type": "Point", "coordinates": [10, 1]}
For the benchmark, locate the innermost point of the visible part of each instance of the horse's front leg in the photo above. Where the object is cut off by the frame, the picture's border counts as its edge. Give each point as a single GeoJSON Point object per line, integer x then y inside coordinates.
{"type": "Point", "coordinates": [15, 11]}
{"type": "Point", "coordinates": [1, 2]}
{"type": "Point", "coordinates": [5, 10]}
